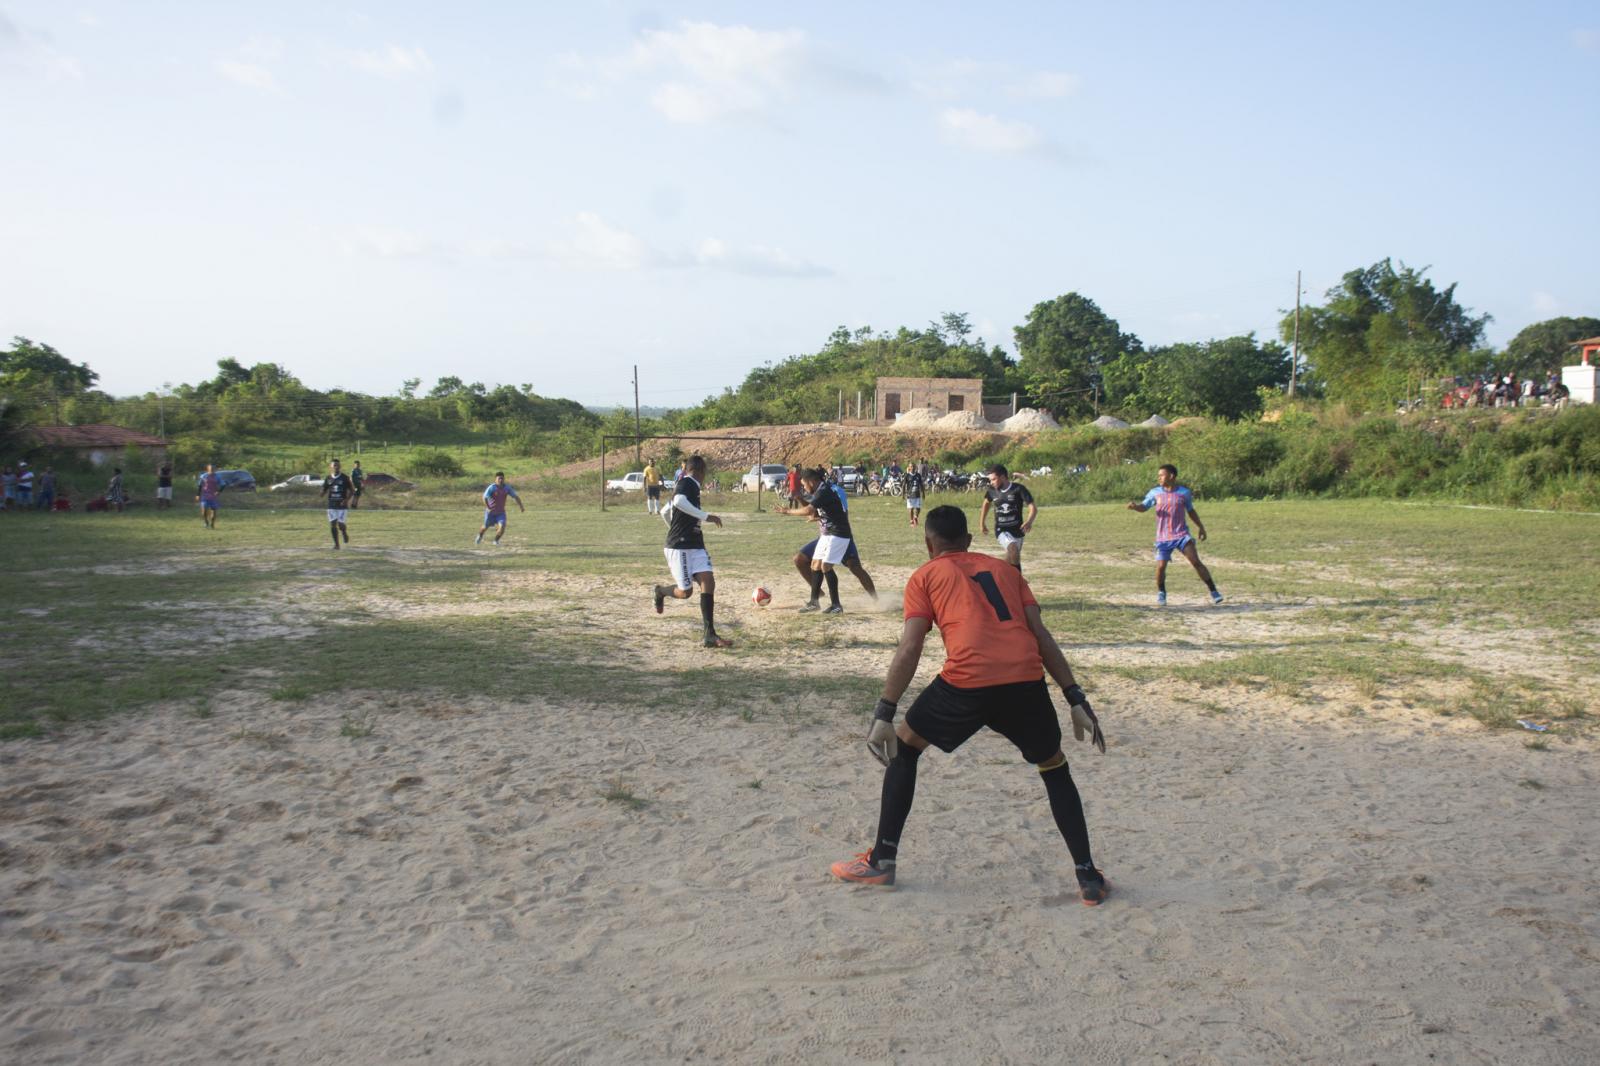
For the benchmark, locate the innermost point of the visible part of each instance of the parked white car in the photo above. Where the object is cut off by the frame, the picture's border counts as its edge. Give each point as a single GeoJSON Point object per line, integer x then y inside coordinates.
{"type": "Point", "coordinates": [633, 482]}
{"type": "Point", "coordinates": [298, 482]}
{"type": "Point", "coordinates": [770, 476]}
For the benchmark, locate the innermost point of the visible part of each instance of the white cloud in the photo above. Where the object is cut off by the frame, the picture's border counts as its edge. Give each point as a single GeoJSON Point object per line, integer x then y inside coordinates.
{"type": "Point", "coordinates": [967, 128]}
{"type": "Point", "coordinates": [593, 243]}
{"type": "Point", "coordinates": [1045, 85]}
{"type": "Point", "coordinates": [755, 261]}
{"type": "Point", "coordinates": [391, 61]}
{"type": "Point", "coordinates": [32, 52]}
{"type": "Point", "coordinates": [248, 65]}
{"type": "Point", "coordinates": [1544, 303]}
{"type": "Point", "coordinates": [701, 72]}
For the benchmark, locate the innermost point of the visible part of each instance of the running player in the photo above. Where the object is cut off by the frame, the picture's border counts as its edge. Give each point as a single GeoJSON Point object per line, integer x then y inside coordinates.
{"type": "Point", "coordinates": [686, 550]}
{"type": "Point", "coordinates": [209, 488]}
{"type": "Point", "coordinates": [494, 507]}
{"type": "Point", "coordinates": [337, 488]}
{"type": "Point", "coordinates": [1010, 527]}
{"type": "Point", "coordinates": [913, 483]}
{"type": "Point", "coordinates": [1174, 504]}
{"type": "Point", "coordinates": [997, 651]}
{"type": "Point", "coordinates": [827, 505]}
{"type": "Point", "coordinates": [652, 488]}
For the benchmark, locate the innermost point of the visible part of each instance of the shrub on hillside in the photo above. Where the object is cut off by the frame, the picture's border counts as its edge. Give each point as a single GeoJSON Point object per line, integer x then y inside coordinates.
{"type": "Point", "coordinates": [433, 463]}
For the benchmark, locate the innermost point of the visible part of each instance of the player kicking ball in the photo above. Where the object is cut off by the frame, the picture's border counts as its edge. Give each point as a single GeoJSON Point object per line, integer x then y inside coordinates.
{"type": "Point", "coordinates": [338, 489]}
{"type": "Point", "coordinates": [494, 507]}
{"type": "Point", "coordinates": [1174, 505]}
{"type": "Point", "coordinates": [686, 550]}
{"type": "Point", "coordinates": [997, 651]}
{"type": "Point", "coordinates": [828, 506]}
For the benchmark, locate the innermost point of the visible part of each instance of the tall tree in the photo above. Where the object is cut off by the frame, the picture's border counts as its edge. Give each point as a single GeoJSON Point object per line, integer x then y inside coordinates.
{"type": "Point", "coordinates": [1381, 329]}
{"type": "Point", "coordinates": [1546, 346]}
{"type": "Point", "coordinates": [1064, 345]}
{"type": "Point", "coordinates": [27, 367]}
{"type": "Point", "coordinates": [1217, 378]}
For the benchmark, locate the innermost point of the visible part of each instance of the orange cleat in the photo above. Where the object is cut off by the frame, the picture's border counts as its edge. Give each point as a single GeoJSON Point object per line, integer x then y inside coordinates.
{"type": "Point", "coordinates": [861, 871]}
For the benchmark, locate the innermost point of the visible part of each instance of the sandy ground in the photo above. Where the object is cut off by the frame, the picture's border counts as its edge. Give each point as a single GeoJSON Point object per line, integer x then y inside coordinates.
{"type": "Point", "coordinates": [455, 887]}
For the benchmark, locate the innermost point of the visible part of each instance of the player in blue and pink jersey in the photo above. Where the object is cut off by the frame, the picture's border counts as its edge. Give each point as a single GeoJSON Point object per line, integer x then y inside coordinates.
{"type": "Point", "coordinates": [494, 507]}
{"type": "Point", "coordinates": [1174, 505]}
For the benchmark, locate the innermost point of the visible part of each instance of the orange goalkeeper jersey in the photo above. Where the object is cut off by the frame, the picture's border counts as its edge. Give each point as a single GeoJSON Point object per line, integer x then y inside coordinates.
{"type": "Point", "coordinates": [977, 602]}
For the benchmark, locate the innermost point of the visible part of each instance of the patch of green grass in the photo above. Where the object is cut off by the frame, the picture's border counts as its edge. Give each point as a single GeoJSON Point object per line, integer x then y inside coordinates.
{"type": "Point", "coordinates": [620, 794]}
{"type": "Point", "coordinates": [262, 738]}
{"type": "Point", "coordinates": [755, 785]}
{"type": "Point", "coordinates": [355, 726]}
{"type": "Point", "coordinates": [293, 692]}
{"type": "Point", "coordinates": [1533, 783]}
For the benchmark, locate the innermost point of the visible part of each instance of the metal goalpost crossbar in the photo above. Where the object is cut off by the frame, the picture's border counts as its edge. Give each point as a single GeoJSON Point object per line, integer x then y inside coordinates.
{"type": "Point", "coordinates": [636, 440]}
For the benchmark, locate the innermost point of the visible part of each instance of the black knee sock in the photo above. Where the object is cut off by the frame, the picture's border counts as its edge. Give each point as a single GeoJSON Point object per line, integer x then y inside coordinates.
{"type": "Point", "coordinates": [815, 579]}
{"type": "Point", "coordinates": [333, 527]}
{"type": "Point", "coordinates": [833, 586]}
{"type": "Point", "coordinates": [1210, 584]}
{"type": "Point", "coordinates": [899, 786]}
{"type": "Point", "coordinates": [706, 604]}
{"type": "Point", "coordinates": [1161, 583]}
{"type": "Point", "coordinates": [1068, 809]}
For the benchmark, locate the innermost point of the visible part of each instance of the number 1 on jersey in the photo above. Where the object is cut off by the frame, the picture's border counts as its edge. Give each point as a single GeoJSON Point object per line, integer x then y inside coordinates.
{"type": "Point", "coordinates": [991, 591]}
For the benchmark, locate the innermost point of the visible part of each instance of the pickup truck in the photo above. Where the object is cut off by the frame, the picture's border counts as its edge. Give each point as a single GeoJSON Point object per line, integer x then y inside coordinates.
{"type": "Point", "coordinates": [633, 482]}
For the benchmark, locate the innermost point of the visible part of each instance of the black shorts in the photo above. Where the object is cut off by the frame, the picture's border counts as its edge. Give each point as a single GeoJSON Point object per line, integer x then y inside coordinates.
{"type": "Point", "coordinates": [947, 716]}
{"type": "Point", "coordinates": [653, 491]}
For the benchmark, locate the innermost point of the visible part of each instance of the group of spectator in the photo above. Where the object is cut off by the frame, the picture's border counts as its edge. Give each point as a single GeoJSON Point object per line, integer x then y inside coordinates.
{"type": "Point", "coordinates": [24, 490]}
{"type": "Point", "coordinates": [1508, 391]}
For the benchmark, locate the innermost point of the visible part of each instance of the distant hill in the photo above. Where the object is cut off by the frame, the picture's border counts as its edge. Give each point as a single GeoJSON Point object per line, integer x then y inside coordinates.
{"type": "Point", "coordinates": [644, 412]}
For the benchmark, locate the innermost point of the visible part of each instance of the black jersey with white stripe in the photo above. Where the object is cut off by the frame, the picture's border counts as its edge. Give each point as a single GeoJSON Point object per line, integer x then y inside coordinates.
{"type": "Point", "coordinates": [683, 529]}
{"type": "Point", "coordinates": [1008, 504]}
{"type": "Point", "coordinates": [831, 509]}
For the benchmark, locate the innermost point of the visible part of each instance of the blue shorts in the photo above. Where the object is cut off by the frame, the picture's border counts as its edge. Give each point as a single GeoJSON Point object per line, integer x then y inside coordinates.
{"type": "Point", "coordinates": [490, 518]}
{"type": "Point", "coordinates": [849, 553]}
{"type": "Point", "coordinates": [1165, 548]}
{"type": "Point", "coordinates": [209, 503]}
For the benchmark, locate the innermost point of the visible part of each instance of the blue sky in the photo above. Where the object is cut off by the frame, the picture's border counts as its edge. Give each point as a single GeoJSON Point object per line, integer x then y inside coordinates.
{"type": "Point", "coordinates": [552, 193]}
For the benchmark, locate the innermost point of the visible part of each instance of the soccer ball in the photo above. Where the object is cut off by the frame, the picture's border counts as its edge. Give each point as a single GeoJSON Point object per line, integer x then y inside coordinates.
{"type": "Point", "coordinates": [761, 597]}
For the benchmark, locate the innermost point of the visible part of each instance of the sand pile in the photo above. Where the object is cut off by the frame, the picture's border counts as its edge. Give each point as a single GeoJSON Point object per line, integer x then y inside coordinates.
{"type": "Point", "coordinates": [1108, 422]}
{"type": "Point", "coordinates": [918, 418]}
{"type": "Point", "coordinates": [1155, 422]}
{"type": "Point", "coordinates": [964, 420]}
{"type": "Point", "coordinates": [1029, 420]}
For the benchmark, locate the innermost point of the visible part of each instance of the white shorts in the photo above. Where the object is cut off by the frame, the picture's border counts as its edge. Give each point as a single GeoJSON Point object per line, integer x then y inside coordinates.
{"type": "Point", "coordinates": [1008, 539]}
{"type": "Point", "coordinates": [164, 493]}
{"type": "Point", "coordinates": [914, 502]}
{"type": "Point", "coordinates": [685, 563]}
{"type": "Point", "coordinates": [830, 549]}
{"type": "Point", "coordinates": [337, 514]}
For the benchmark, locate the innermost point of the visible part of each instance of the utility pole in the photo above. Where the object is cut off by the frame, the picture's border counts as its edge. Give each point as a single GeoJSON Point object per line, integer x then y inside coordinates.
{"type": "Point", "coordinates": [637, 431]}
{"type": "Point", "coordinates": [1294, 360]}
{"type": "Point", "coordinates": [161, 408]}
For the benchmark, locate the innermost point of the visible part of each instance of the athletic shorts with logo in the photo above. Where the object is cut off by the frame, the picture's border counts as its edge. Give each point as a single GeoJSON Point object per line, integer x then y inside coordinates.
{"type": "Point", "coordinates": [685, 563]}
{"type": "Point", "coordinates": [1165, 549]}
{"type": "Point", "coordinates": [1008, 537]}
{"type": "Point", "coordinates": [337, 514]}
{"type": "Point", "coordinates": [1022, 712]}
{"type": "Point", "coordinates": [831, 549]}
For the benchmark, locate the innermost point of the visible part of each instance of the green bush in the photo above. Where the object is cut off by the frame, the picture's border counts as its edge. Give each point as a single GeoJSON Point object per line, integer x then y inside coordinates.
{"type": "Point", "coordinates": [431, 463]}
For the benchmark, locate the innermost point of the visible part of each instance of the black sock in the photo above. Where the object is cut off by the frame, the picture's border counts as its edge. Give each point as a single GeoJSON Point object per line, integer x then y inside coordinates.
{"type": "Point", "coordinates": [899, 787]}
{"type": "Point", "coordinates": [1068, 810]}
{"type": "Point", "coordinates": [1210, 584]}
{"type": "Point", "coordinates": [333, 527]}
{"type": "Point", "coordinates": [705, 612]}
{"type": "Point", "coordinates": [1161, 586]}
{"type": "Point", "coordinates": [833, 586]}
{"type": "Point", "coordinates": [815, 580]}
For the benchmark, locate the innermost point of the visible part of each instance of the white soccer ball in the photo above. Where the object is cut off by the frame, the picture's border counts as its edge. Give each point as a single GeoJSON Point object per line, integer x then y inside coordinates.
{"type": "Point", "coordinates": [760, 597]}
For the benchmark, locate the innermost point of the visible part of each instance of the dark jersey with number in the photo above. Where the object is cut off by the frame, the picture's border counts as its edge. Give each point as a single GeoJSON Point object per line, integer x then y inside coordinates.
{"type": "Point", "coordinates": [1008, 504]}
{"type": "Point", "coordinates": [831, 509]}
{"type": "Point", "coordinates": [337, 489]}
{"type": "Point", "coordinates": [683, 529]}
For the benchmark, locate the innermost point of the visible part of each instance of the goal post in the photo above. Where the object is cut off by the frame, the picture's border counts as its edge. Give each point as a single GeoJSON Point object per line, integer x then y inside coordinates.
{"type": "Point", "coordinates": [636, 440]}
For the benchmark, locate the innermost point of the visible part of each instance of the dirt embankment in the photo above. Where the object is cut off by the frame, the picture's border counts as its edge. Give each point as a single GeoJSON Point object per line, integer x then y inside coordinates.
{"type": "Point", "coordinates": [808, 445]}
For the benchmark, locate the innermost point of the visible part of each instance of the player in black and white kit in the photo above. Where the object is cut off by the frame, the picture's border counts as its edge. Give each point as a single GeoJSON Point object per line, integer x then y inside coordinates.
{"type": "Point", "coordinates": [1008, 498]}
{"type": "Point", "coordinates": [338, 489]}
{"type": "Point", "coordinates": [913, 483]}
{"type": "Point", "coordinates": [828, 507]}
{"type": "Point", "coordinates": [686, 549]}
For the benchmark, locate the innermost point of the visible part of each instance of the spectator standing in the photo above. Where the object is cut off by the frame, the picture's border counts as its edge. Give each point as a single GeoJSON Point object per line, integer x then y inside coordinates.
{"type": "Point", "coordinates": [8, 478]}
{"type": "Point", "coordinates": [24, 485]}
{"type": "Point", "coordinates": [358, 477]}
{"type": "Point", "coordinates": [164, 487]}
{"type": "Point", "coordinates": [114, 489]}
{"type": "Point", "coordinates": [47, 490]}
{"type": "Point", "coordinates": [791, 487]}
